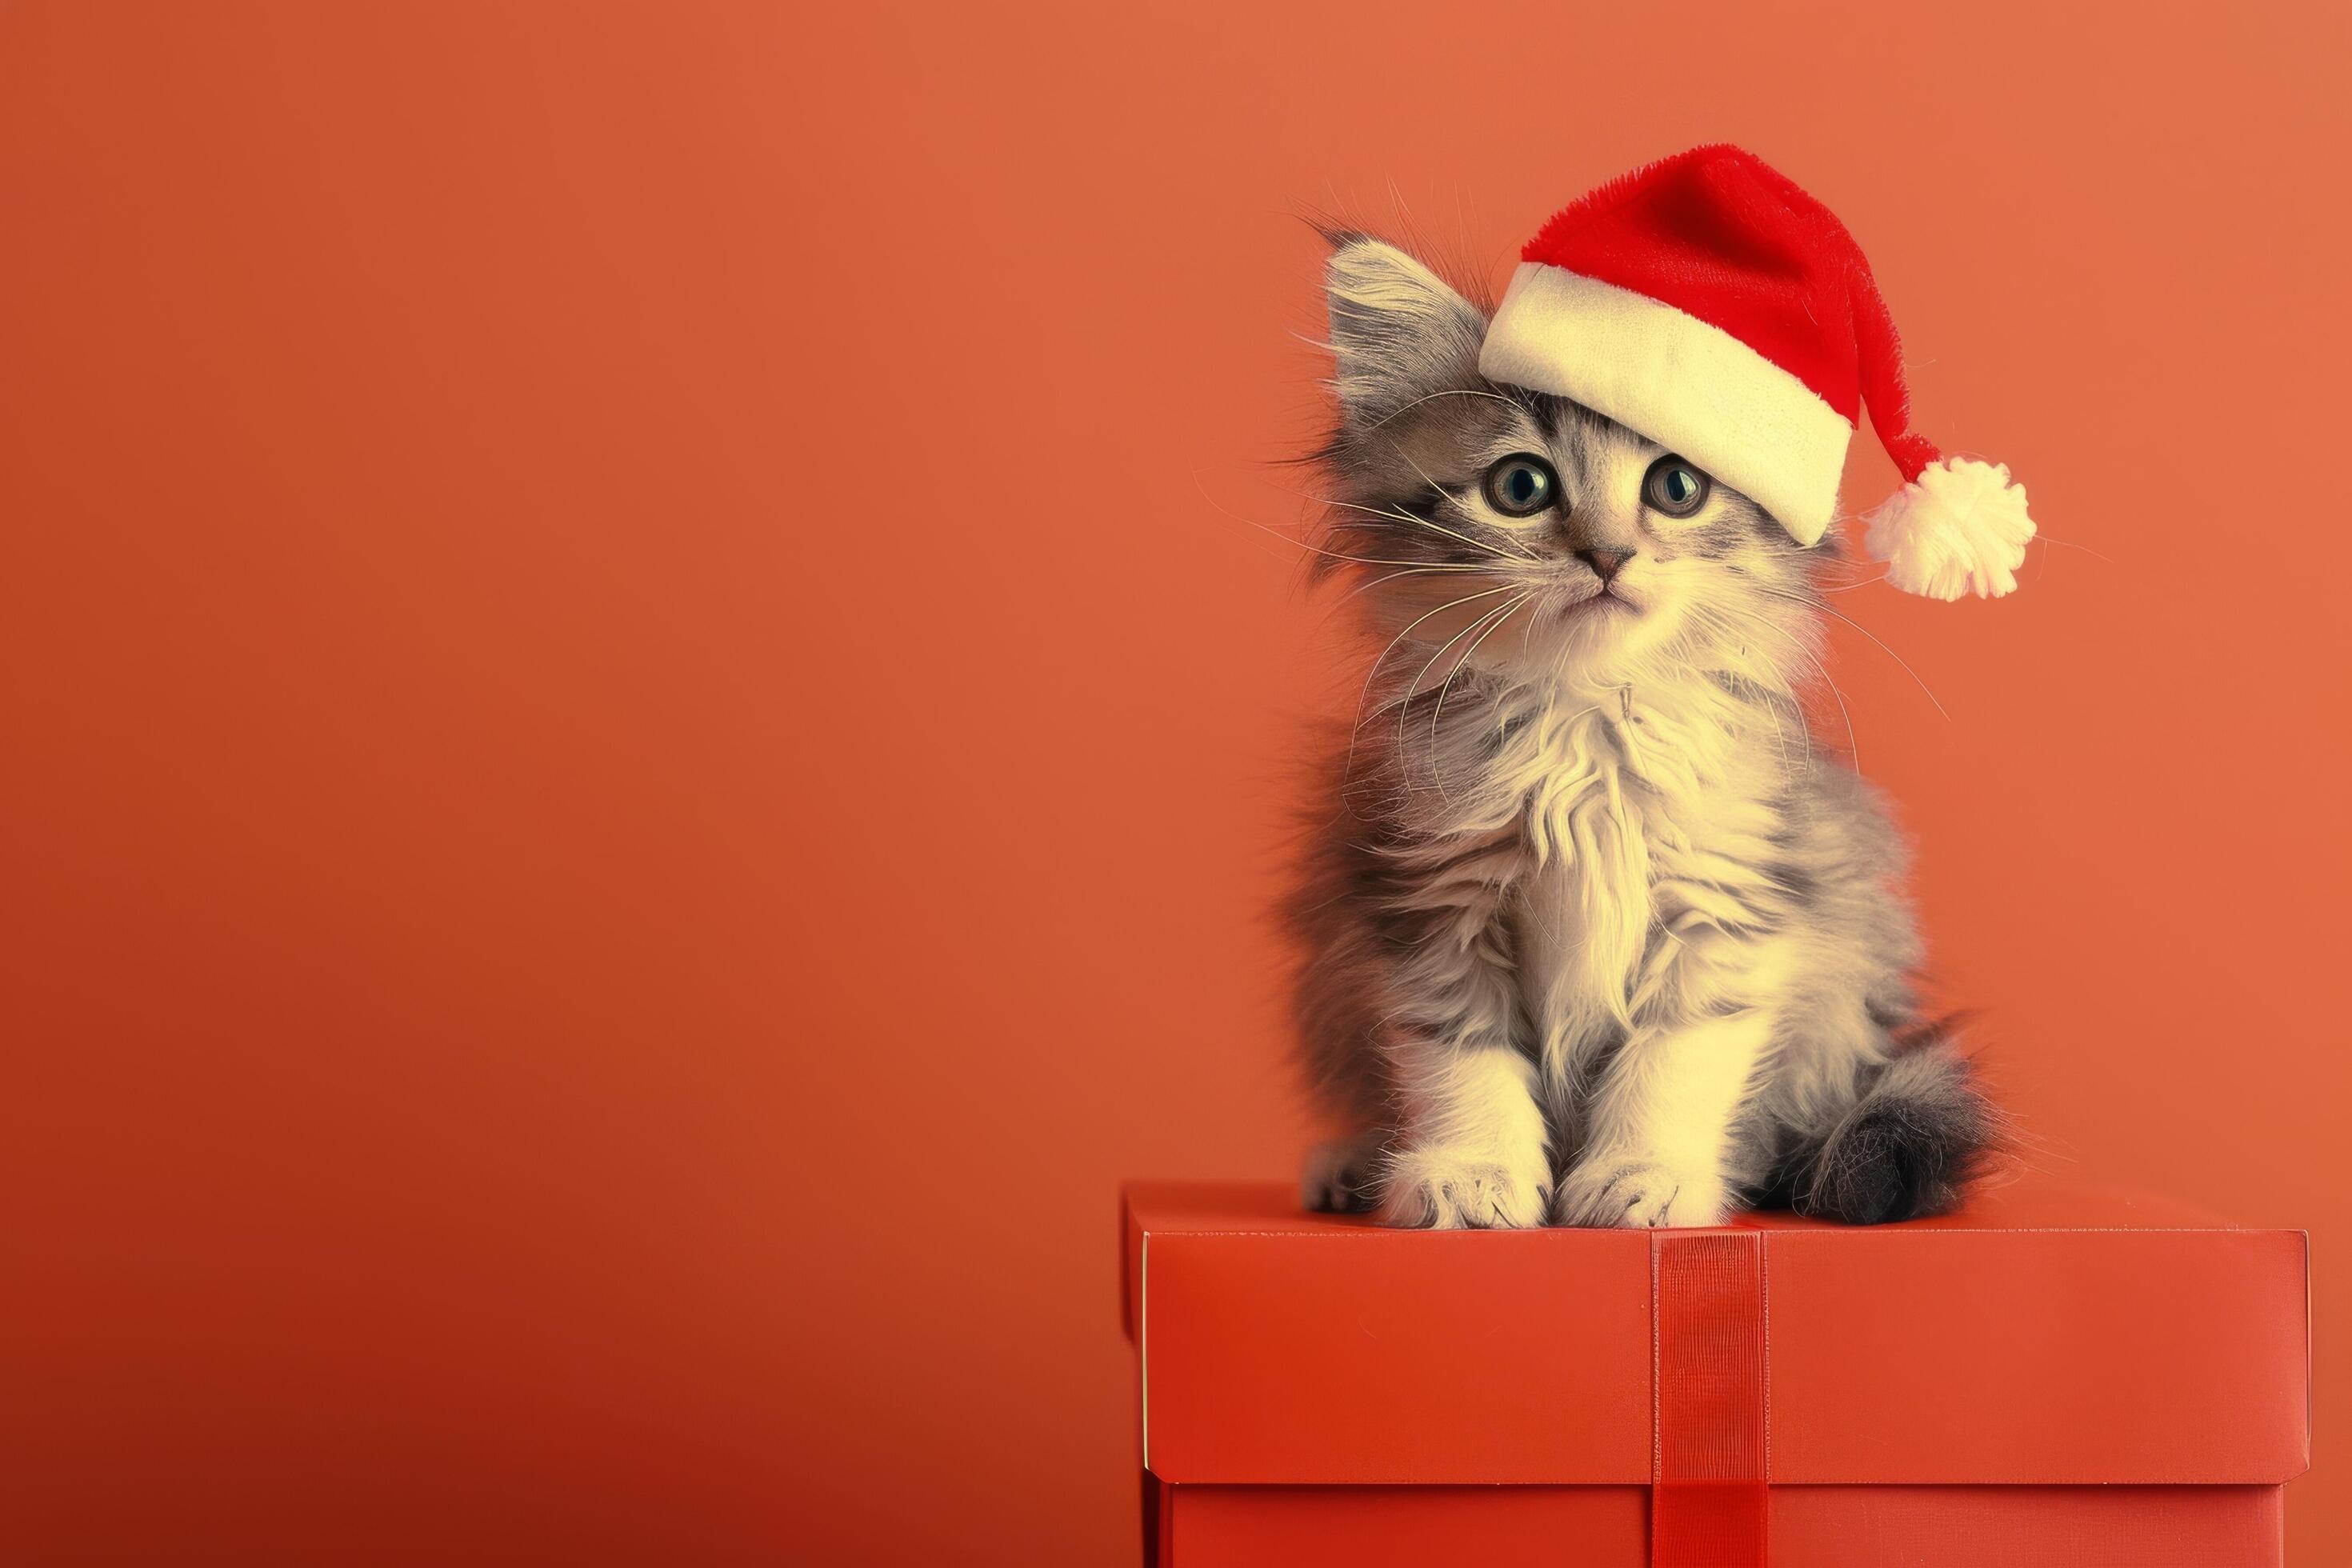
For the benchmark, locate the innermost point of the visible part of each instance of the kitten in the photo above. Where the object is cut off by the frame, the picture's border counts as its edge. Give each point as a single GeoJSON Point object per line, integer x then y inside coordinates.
{"type": "Point", "coordinates": [1595, 936]}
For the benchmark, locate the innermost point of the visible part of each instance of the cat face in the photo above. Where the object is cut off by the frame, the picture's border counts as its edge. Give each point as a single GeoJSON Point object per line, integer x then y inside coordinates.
{"type": "Point", "coordinates": [1504, 529]}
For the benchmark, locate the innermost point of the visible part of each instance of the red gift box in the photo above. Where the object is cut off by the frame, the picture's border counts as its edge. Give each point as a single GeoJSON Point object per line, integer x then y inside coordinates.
{"type": "Point", "coordinates": [2052, 1377]}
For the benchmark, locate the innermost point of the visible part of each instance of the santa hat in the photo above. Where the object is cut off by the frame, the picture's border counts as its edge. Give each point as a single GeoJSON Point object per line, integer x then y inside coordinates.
{"type": "Point", "coordinates": [1710, 304]}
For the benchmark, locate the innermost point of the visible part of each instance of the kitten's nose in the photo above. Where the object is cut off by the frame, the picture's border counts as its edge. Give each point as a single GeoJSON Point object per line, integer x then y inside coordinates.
{"type": "Point", "coordinates": [1605, 563]}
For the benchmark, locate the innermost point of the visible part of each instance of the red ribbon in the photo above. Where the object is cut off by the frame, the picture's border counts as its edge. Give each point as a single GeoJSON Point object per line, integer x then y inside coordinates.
{"type": "Point", "coordinates": [1708, 1502]}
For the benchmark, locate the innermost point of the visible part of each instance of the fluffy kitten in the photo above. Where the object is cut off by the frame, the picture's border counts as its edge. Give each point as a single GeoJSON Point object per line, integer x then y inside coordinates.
{"type": "Point", "coordinates": [1595, 937]}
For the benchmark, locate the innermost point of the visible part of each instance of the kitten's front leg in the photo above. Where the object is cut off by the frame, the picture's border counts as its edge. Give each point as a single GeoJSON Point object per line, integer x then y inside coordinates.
{"type": "Point", "coordinates": [1660, 1144]}
{"type": "Point", "coordinates": [1473, 1151]}
{"type": "Point", "coordinates": [1470, 1147]}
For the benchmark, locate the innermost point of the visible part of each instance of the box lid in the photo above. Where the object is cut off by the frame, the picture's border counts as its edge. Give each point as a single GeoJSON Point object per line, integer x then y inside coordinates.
{"type": "Point", "coordinates": [2044, 1336]}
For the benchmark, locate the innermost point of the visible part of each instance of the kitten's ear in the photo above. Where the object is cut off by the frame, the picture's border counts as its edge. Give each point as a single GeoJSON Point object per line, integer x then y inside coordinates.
{"type": "Point", "coordinates": [1397, 330]}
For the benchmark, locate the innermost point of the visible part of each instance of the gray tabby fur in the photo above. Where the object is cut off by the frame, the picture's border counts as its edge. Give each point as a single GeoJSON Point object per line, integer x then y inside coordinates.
{"type": "Point", "coordinates": [1594, 933]}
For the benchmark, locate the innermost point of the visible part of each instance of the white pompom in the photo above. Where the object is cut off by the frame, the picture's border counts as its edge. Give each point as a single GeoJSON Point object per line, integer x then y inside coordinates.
{"type": "Point", "coordinates": [1961, 527]}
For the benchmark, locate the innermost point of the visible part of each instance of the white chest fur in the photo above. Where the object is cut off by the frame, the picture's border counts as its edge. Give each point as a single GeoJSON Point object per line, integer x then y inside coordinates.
{"type": "Point", "coordinates": [1635, 817]}
{"type": "Point", "coordinates": [1583, 909]}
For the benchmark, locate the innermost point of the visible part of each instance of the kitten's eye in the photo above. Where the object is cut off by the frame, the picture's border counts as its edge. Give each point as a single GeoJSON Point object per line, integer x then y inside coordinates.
{"type": "Point", "coordinates": [1520, 486]}
{"type": "Point", "coordinates": [1675, 488]}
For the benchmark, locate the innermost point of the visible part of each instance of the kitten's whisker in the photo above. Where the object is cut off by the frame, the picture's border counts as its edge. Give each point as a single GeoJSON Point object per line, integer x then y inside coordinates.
{"type": "Point", "coordinates": [1355, 730]}
{"type": "Point", "coordinates": [1852, 747]}
{"type": "Point", "coordinates": [1828, 610]}
{"type": "Point", "coordinates": [2069, 544]}
{"type": "Point", "coordinates": [1509, 552]}
{"type": "Point", "coordinates": [1297, 543]}
{"type": "Point", "coordinates": [1404, 712]}
{"type": "Point", "coordinates": [1438, 710]}
{"type": "Point", "coordinates": [1454, 392]}
{"type": "Point", "coordinates": [1408, 572]}
{"type": "Point", "coordinates": [1480, 544]}
{"type": "Point", "coordinates": [1715, 620]}
{"type": "Point", "coordinates": [1344, 524]}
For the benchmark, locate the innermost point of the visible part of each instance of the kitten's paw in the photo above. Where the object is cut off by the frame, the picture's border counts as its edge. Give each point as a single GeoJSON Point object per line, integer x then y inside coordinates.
{"type": "Point", "coordinates": [1639, 1194]}
{"type": "Point", "coordinates": [1436, 1189]}
{"type": "Point", "coordinates": [1342, 1176]}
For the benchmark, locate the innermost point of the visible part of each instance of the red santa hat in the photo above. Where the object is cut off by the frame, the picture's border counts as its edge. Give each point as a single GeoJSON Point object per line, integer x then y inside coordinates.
{"type": "Point", "coordinates": [1709, 303]}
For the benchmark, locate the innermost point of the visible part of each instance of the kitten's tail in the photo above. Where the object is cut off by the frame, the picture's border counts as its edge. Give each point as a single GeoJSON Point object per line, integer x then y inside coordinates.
{"type": "Point", "coordinates": [1911, 1143]}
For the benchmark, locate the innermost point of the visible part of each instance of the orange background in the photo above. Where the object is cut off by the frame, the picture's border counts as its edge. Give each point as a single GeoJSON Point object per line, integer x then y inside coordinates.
{"type": "Point", "coordinates": [642, 752]}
